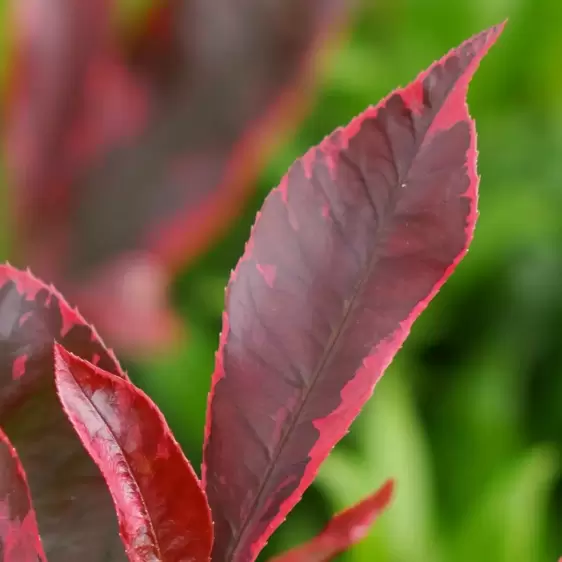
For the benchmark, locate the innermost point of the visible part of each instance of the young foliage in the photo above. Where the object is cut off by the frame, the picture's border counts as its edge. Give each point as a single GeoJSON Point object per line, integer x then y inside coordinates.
{"type": "Point", "coordinates": [131, 149]}
{"type": "Point", "coordinates": [345, 254]}
{"type": "Point", "coordinates": [162, 510]}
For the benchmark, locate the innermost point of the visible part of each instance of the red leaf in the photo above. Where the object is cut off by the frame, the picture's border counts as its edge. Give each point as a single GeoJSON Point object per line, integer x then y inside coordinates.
{"type": "Point", "coordinates": [162, 510]}
{"type": "Point", "coordinates": [150, 153]}
{"type": "Point", "coordinates": [346, 253]}
{"type": "Point", "coordinates": [74, 508]}
{"type": "Point", "coordinates": [19, 535]}
{"type": "Point", "coordinates": [344, 530]}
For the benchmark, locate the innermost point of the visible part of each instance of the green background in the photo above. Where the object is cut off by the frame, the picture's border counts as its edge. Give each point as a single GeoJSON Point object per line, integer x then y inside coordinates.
{"type": "Point", "coordinates": [468, 418]}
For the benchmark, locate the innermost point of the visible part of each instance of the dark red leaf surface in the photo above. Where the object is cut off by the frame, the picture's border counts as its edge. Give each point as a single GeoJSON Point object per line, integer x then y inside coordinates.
{"type": "Point", "coordinates": [141, 151]}
{"type": "Point", "coordinates": [162, 510]}
{"type": "Point", "coordinates": [19, 535]}
{"type": "Point", "coordinates": [343, 531]}
{"type": "Point", "coordinates": [345, 254]}
{"type": "Point", "coordinates": [74, 510]}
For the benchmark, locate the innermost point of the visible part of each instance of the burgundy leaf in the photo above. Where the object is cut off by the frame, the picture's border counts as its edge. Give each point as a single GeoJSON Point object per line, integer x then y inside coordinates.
{"type": "Point", "coordinates": [345, 254]}
{"type": "Point", "coordinates": [162, 510]}
{"type": "Point", "coordinates": [149, 148]}
{"type": "Point", "coordinates": [344, 530]}
{"type": "Point", "coordinates": [19, 535]}
{"type": "Point", "coordinates": [74, 509]}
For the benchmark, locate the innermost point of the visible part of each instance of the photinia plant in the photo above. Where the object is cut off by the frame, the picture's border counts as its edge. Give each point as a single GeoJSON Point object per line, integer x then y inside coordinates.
{"type": "Point", "coordinates": [345, 254]}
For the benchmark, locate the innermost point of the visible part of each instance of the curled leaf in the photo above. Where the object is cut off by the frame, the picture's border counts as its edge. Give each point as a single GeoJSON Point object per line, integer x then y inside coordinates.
{"type": "Point", "coordinates": [162, 510]}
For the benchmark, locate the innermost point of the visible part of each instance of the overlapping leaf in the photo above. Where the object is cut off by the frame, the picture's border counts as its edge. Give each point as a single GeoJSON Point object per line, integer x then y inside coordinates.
{"type": "Point", "coordinates": [162, 510]}
{"type": "Point", "coordinates": [74, 509]}
{"type": "Point", "coordinates": [19, 536]}
{"type": "Point", "coordinates": [129, 154]}
{"type": "Point", "coordinates": [346, 253]}
{"type": "Point", "coordinates": [343, 531]}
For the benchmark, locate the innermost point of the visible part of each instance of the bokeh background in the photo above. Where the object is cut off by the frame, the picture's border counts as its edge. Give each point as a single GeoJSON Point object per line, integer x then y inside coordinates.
{"type": "Point", "coordinates": [468, 418]}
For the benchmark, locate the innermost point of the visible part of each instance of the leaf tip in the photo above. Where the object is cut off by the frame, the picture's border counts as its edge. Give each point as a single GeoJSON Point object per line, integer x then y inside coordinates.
{"type": "Point", "coordinates": [490, 36]}
{"type": "Point", "coordinates": [63, 363]}
{"type": "Point", "coordinates": [386, 493]}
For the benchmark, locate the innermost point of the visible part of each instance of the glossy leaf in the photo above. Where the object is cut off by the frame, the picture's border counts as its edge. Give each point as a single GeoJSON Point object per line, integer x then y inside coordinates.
{"type": "Point", "coordinates": [19, 535]}
{"type": "Point", "coordinates": [162, 510]}
{"type": "Point", "coordinates": [345, 254]}
{"type": "Point", "coordinates": [74, 509]}
{"type": "Point", "coordinates": [344, 530]}
{"type": "Point", "coordinates": [142, 149]}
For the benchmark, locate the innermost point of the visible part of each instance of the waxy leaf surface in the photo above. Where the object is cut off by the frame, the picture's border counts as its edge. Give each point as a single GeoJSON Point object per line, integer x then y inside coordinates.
{"type": "Point", "coordinates": [140, 147]}
{"type": "Point", "coordinates": [345, 254]}
{"type": "Point", "coordinates": [74, 509]}
{"type": "Point", "coordinates": [19, 535]}
{"type": "Point", "coordinates": [162, 510]}
{"type": "Point", "coordinates": [344, 530]}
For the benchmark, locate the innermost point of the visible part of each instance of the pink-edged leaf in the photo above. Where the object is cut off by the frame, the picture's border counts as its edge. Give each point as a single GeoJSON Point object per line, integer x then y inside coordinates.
{"type": "Point", "coordinates": [162, 510]}
{"type": "Point", "coordinates": [345, 254]}
{"type": "Point", "coordinates": [157, 149]}
{"type": "Point", "coordinates": [343, 531]}
{"type": "Point", "coordinates": [19, 535]}
{"type": "Point", "coordinates": [74, 509]}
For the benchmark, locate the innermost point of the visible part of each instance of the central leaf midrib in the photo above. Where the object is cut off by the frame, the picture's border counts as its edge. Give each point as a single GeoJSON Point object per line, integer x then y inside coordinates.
{"type": "Point", "coordinates": [348, 308]}
{"type": "Point", "coordinates": [127, 466]}
{"type": "Point", "coordinates": [329, 349]}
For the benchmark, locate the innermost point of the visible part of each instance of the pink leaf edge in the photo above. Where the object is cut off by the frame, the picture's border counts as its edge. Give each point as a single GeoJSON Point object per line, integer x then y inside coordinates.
{"type": "Point", "coordinates": [161, 507]}
{"type": "Point", "coordinates": [268, 404]}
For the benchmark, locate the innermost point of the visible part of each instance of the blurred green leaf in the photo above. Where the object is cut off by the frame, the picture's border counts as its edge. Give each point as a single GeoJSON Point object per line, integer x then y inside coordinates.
{"type": "Point", "coordinates": [507, 522]}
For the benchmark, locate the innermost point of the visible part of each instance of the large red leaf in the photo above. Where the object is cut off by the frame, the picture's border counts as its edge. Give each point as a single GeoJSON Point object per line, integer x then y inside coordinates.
{"type": "Point", "coordinates": [162, 510]}
{"type": "Point", "coordinates": [125, 155]}
{"type": "Point", "coordinates": [345, 254]}
{"type": "Point", "coordinates": [19, 536]}
{"type": "Point", "coordinates": [344, 530]}
{"type": "Point", "coordinates": [74, 509]}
